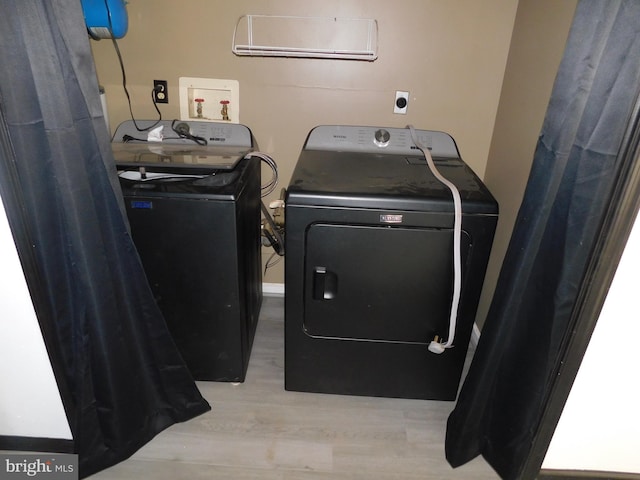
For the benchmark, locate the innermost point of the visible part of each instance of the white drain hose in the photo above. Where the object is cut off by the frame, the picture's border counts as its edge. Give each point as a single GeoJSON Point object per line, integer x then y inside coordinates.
{"type": "Point", "coordinates": [436, 346]}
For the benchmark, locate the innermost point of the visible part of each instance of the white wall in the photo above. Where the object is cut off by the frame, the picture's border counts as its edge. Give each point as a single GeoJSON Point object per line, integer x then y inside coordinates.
{"type": "Point", "coordinates": [600, 425]}
{"type": "Point", "coordinates": [30, 403]}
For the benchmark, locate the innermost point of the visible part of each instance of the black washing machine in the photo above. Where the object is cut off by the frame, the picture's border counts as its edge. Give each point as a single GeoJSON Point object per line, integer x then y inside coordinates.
{"type": "Point", "coordinates": [369, 265]}
{"type": "Point", "coordinates": [194, 211]}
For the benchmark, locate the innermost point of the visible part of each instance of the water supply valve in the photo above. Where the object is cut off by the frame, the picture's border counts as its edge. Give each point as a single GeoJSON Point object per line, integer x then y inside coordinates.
{"type": "Point", "coordinates": [199, 102]}
{"type": "Point", "coordinates": [224, 112]}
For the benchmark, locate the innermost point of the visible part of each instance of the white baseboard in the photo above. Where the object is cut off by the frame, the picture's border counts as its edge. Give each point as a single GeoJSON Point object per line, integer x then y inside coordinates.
{"type": "Point", "coordinates": [273, 289]}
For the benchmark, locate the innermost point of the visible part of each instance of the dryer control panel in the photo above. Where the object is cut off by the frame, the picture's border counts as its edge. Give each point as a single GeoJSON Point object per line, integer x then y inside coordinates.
{"type": "Point", "coordinates": [347, 138]}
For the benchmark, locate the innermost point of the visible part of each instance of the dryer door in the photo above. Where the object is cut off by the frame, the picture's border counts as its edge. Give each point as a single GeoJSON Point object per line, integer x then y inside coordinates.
{"type": "Point", "coordinates": [391, 284]}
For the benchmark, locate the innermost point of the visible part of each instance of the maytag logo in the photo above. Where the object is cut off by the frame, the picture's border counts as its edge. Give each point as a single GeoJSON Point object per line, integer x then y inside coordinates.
{"type": "Point", "coordinates": [390, 218]}
{"type": "Point", "coordinates": [51, 466]}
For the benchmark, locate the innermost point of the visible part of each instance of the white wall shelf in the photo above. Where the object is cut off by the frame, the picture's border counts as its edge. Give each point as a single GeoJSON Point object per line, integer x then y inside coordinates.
{"type": "Point", "coordinates": [307, 37]}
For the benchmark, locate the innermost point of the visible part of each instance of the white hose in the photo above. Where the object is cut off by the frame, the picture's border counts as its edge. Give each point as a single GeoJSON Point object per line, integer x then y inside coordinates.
{"type": "Point", "coordinates": [436, 346]}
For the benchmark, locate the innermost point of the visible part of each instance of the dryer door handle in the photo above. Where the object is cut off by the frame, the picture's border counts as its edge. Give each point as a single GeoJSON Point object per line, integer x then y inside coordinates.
{"type": "Point", "coordinates": [325, 284]}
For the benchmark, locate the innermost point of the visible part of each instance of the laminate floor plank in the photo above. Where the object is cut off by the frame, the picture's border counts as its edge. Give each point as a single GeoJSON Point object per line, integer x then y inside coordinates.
{"type": "Point", "coordinates": [257, 430]}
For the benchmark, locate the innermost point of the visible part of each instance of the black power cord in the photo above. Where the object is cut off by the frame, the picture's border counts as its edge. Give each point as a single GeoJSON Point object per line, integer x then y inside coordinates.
{"type": "Point", "coordinates": [124, 78]}
{"type": "Point", "coordinates": [126, 91]}
{"type": "Point", "coordinates": [183, 131]}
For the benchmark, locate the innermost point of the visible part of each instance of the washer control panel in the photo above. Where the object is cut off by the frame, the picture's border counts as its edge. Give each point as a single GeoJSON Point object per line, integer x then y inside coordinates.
{"type": "Point", "coordinates": [347, 138]}
{"type": "Point", "coordinates": [168, 132]}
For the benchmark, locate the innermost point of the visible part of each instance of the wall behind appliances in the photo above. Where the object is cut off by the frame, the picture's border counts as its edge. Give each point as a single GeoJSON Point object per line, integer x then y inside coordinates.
{"type": "Point", "coordinates": [450, 56]}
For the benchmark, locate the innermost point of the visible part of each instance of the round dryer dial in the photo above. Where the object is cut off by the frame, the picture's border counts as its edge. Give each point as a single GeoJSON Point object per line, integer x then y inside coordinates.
{"type": "Point", "coordinates": [381, 137]}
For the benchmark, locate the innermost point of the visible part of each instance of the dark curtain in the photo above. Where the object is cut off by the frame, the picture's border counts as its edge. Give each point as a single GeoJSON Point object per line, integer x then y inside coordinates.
{"type": "Point", "coordinates": [576, 168]}
{"type": "Point", "coordinates": [122, 378]}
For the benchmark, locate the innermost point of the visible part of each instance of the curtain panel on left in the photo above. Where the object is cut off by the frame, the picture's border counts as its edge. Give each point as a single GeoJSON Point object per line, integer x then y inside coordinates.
{"type": "Point", "coordinates": [122, 376]}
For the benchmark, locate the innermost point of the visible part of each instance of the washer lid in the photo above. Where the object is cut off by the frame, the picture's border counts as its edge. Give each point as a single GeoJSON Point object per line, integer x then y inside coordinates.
{"type": "Point", "coordinates": [188, 147]}
{"type": "Point", "coordinates": [160, 157]}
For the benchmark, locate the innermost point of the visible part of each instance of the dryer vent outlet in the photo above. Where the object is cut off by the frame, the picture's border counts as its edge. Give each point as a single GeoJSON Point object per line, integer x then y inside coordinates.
{"type": "Point", "coordinates": [402, 102]}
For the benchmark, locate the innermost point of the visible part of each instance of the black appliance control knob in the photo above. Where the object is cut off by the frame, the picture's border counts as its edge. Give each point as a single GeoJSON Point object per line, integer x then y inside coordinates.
{"type": "Point", "coordinates": [381, 137]}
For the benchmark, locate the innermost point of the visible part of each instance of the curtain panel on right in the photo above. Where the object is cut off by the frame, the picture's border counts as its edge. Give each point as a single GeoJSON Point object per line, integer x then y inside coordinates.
{"type": "Point", "coordinates": [576, 167]}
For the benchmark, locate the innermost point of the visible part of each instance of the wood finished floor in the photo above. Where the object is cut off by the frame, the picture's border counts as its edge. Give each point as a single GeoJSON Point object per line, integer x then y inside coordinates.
{"type": "Point", "coordinates": [257, 430]}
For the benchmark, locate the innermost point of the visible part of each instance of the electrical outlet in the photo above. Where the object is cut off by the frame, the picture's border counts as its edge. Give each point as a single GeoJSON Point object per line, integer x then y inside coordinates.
{"type": "Point", "coordinates": [160, 92]}
{"type": "Point", "coordinates": [402, 102]}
